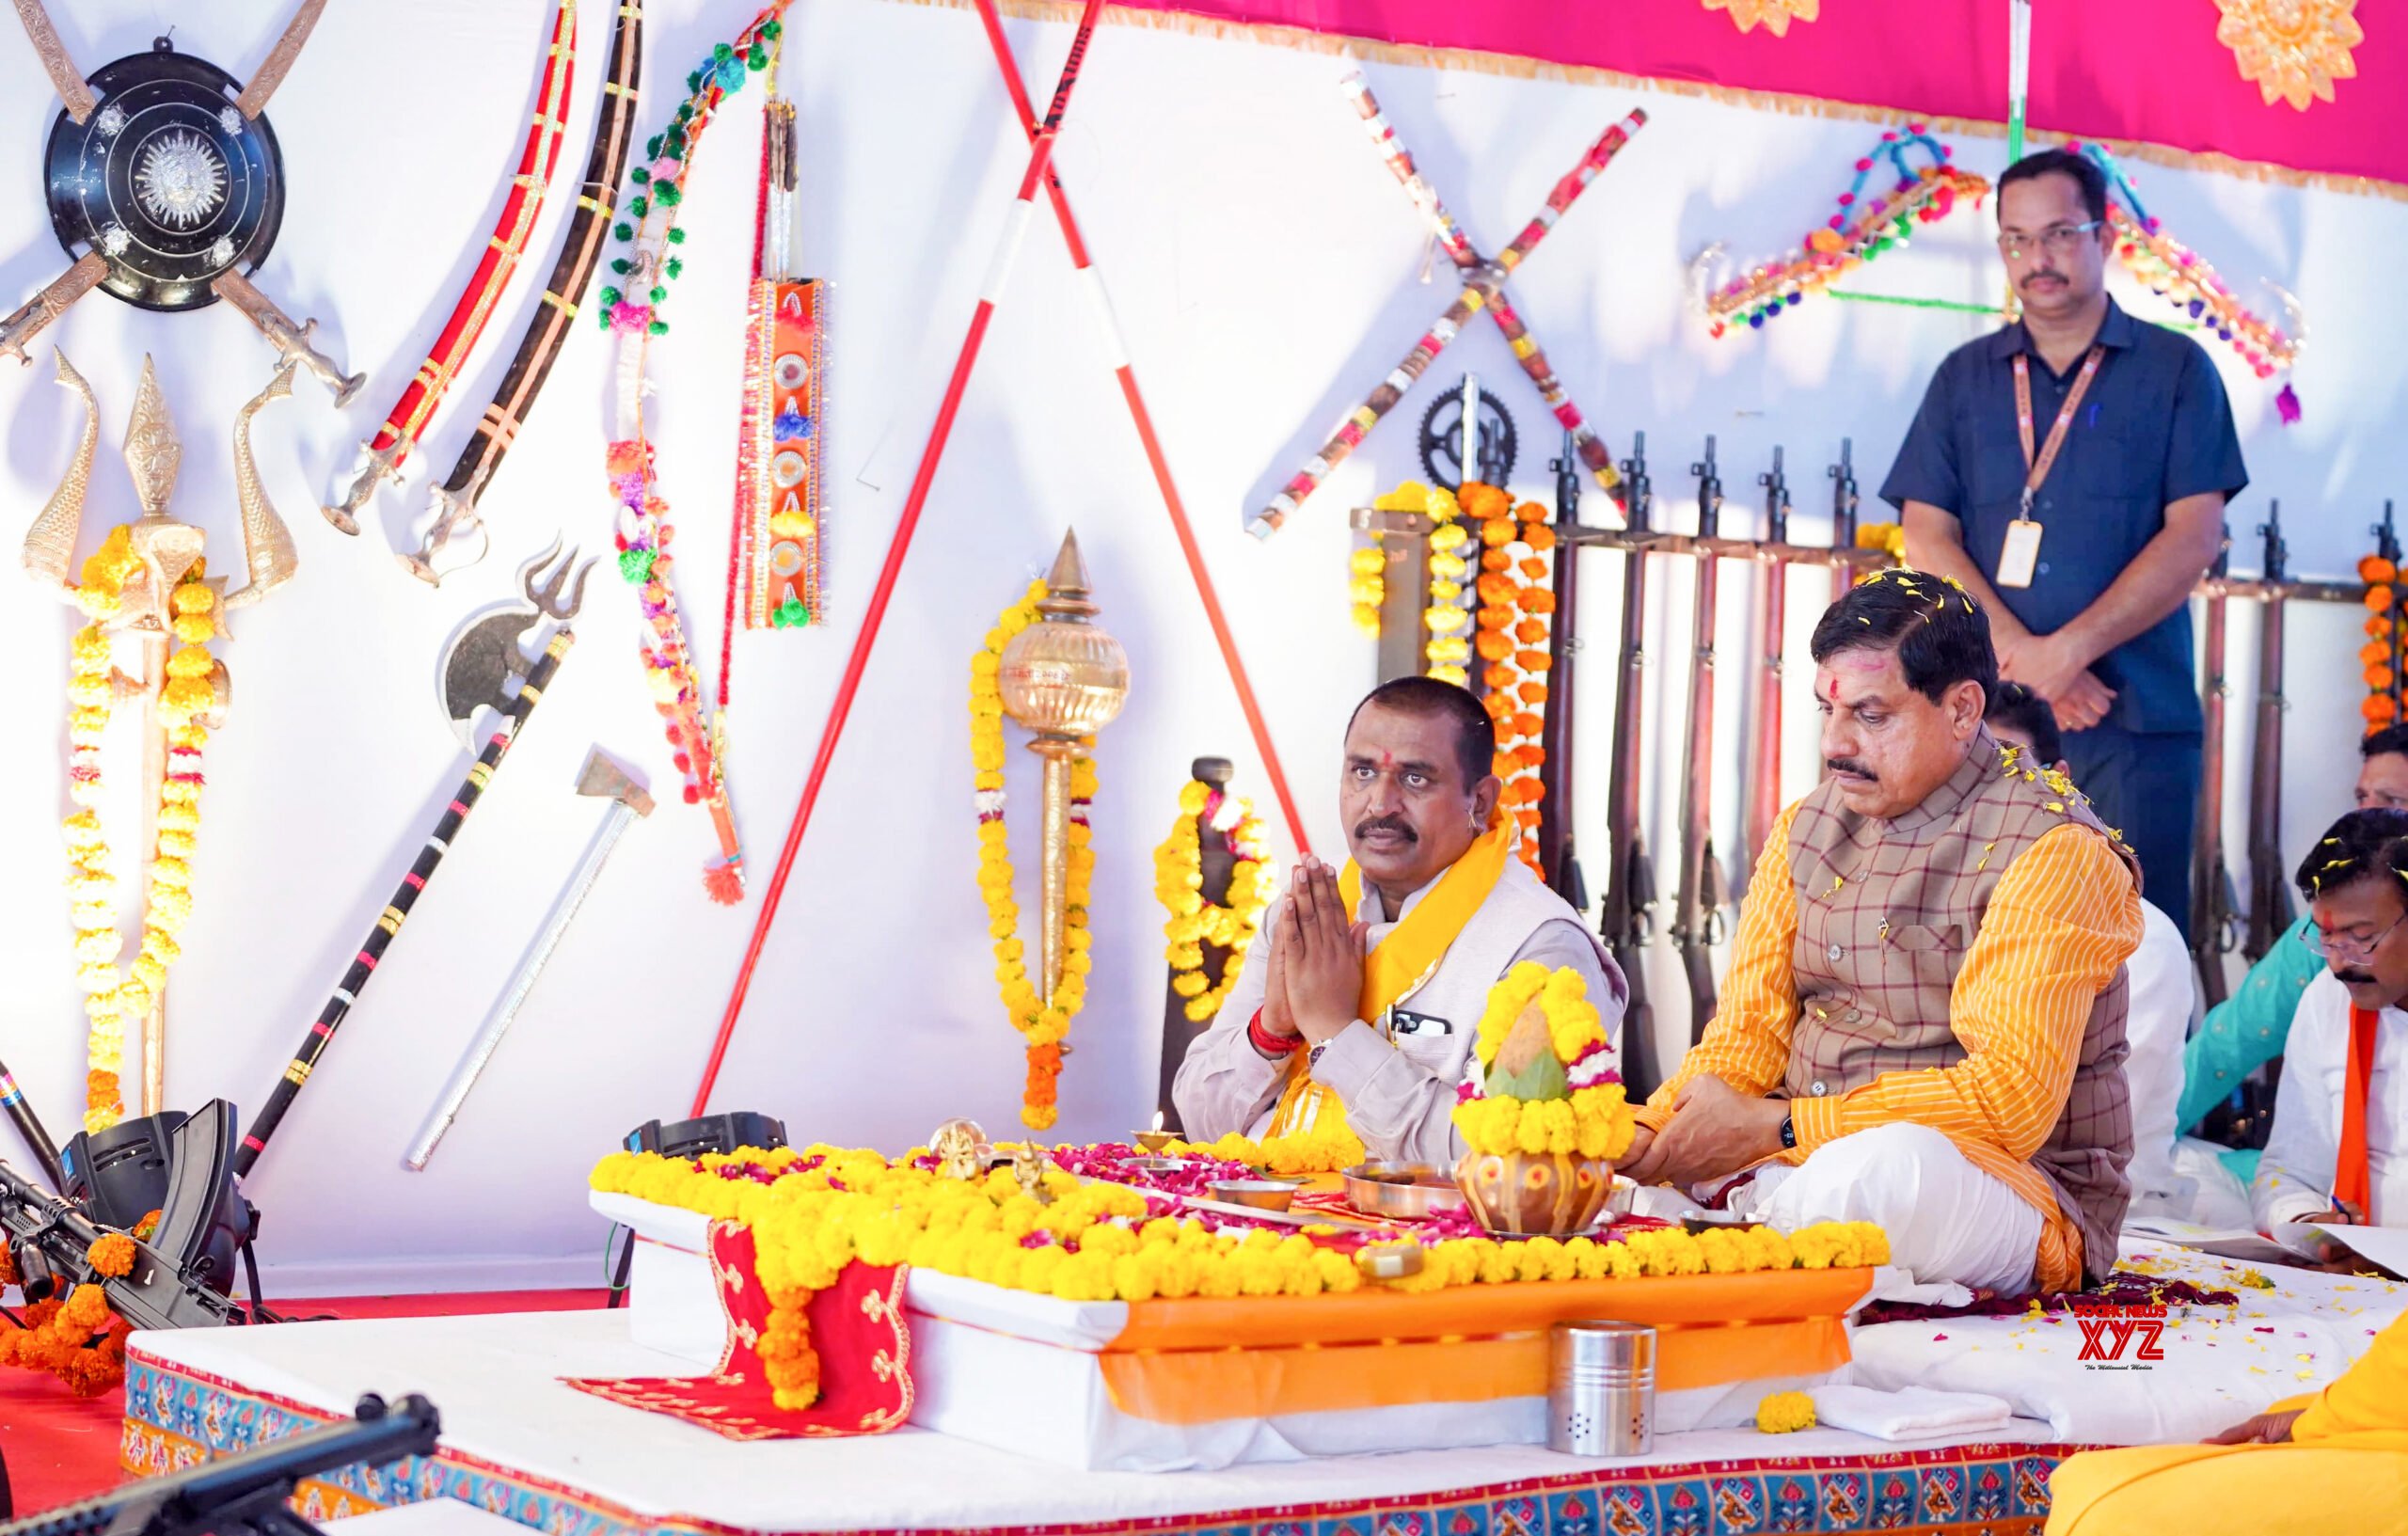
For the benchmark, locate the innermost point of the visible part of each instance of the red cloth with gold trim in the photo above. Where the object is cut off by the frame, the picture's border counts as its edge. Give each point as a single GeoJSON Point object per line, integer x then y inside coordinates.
{"type": "Point", "coordinates": [857, 1325]}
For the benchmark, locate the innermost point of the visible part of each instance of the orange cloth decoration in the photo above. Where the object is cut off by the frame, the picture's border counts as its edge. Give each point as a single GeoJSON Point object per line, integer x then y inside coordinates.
{"type": "Point", "coordinates": [2350, 1181]}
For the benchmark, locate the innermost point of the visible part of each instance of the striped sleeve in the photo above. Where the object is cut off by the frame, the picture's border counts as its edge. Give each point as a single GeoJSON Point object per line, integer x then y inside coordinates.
{"type": "Point", "coordinates": [1748, 1043]}
{"type": "Point", "coordinates": [2061, 920]}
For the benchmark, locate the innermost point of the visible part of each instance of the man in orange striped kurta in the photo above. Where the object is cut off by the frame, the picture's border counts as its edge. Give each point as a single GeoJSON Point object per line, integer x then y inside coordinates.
{"type": "Point", "coordinates": [1922, 1024]}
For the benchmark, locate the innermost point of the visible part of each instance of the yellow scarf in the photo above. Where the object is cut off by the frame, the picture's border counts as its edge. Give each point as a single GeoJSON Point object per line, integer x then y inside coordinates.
{"type": "Point", "coordinates": [1402, 960]}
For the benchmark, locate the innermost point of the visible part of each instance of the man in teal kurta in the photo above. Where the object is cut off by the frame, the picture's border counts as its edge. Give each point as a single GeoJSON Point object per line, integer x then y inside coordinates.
{"type": "Point", "coordinates": [2247, 1030]}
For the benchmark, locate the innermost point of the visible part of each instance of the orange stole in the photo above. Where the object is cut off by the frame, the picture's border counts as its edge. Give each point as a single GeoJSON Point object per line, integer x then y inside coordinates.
{"type": "Point", "coordinates": [1196, 1360]}
{"type": "Point", "coordinates": [2350, 1180]}
{"type": "Point", "coordinates": [1402, 960]}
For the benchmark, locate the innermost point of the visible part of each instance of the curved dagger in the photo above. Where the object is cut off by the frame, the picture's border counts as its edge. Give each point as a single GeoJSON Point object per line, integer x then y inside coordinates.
{"type": "Point", "coordinates": [50, 545]}
{"type": "Point", "coordinates": [267, 544]}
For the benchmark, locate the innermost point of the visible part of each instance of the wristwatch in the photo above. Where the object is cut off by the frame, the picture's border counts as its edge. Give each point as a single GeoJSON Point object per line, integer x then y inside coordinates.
{"type": "Point", "coordinates": [1788, 1133]}
{"type": "Point", "coordinates": [1312, 1057]}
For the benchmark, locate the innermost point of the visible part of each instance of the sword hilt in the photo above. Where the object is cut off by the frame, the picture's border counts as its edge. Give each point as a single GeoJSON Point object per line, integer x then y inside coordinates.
{"type": "Point", "coordinates": [382, 463]}
{"type": "Point", "coordinates": [289, 338]}
{"type": "Point", "coordinates": [456, 509]}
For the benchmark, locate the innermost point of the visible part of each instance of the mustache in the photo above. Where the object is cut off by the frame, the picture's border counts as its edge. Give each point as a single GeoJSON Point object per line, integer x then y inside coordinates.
{"type": "Point", "coordinates": [2031, 277]}
{"type": "Point", "coordinates": [1850, 765]}
{"type": "Point", "coordinates": [1387, 824]}
{"type": "Point", "coordinates": [2353, 978]}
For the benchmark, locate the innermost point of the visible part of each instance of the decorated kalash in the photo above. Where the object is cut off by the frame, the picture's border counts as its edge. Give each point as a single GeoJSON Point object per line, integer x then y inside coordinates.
{"type": "Point", "coordinates": [1158, 1303]}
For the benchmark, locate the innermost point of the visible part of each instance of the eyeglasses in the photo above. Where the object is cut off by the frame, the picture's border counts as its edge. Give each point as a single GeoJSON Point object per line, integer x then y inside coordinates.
{"type": "Point", "coordinates": [2057, 240]}
{"type": "Point", "coordinates": [2348, 947]}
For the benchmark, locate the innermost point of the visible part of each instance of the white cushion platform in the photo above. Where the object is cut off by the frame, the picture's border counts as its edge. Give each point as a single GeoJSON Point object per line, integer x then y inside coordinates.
{"type": "Point", "coordinates": [518, 1442]}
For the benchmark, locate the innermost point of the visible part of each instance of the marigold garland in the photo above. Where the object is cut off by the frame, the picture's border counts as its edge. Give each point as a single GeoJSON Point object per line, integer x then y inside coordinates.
{"type": "Point", "coordinates": [1196, 922]}
{"type": "Point", "coordinates": [1513, 643]}
{"type": "Point", "coordinates": [114, 998]}
{"type": "Point", "coordinates": [1043, 1023]}
{"type": "Point", "coordinates": [1367, 585]}
{"type": "Point", "coordinates": [79, 1341]}
{"type": "Point", "coordinates": [1328, 1146]}
{"type": "Point", "coordinates": [2380, 656]}
{"type": "Point", "coordinates": [813, 1211]}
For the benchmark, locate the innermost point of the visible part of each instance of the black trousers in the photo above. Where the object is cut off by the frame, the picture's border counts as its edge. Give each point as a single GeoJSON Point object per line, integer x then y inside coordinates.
{"type": "Point", "coordinates": [2145, 786]}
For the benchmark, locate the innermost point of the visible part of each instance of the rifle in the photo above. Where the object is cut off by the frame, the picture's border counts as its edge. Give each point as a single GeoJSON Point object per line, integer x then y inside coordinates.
{"type": "Point", "coordinates": [247, 1490]}
{"type": "Point", "coordinates": [1697, 906]}
{"type": "Point", "coordinates": [2214, 909]}
{"type": "Point", "coordinates": [2270, 896]}
{"type": "Point", "coordinates": [1555, 855]}
{"type": "Point", "coordinates": [51, 1241]}
{"type": "Point", "coordinates": [1843, 507]}
{"type": "Point", "coordinates": [2386, 544]}
{"type": "Point", "coordinates": [1763, 711]}
{"type": "Point", "coordinates": [1626, 923]}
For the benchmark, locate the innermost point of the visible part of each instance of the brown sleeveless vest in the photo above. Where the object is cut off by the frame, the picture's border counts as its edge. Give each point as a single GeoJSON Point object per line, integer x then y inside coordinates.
{"type": "Point", "coordinates": [1886, 912]}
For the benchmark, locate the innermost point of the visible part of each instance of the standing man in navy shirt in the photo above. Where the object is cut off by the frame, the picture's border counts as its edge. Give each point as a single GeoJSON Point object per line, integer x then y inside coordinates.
{"type": "Point", "coordinates": [2072, 471]}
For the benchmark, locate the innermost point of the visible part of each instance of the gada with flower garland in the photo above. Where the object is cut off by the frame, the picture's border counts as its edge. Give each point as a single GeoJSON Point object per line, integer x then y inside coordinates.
{"type": "Point", "coordinates": [1541, 1078]}
{"type": "Point", "coordinates": [1196, 922]}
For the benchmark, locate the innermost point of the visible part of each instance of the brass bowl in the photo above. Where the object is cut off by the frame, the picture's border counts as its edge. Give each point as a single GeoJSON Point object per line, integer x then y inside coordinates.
{"type": "Point", "coordinates": [1153, 1141]}
{"type": "Point", "coordinates": [1161, 1165]}
{"type": "Point", "coordinates": [1261, 1193]}
{"type": "Point", "coordinates": [1409, 1190]}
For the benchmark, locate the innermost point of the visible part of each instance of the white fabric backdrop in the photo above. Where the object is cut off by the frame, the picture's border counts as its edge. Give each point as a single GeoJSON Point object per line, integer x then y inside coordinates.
{"type": "Point", "coordinates": [1263, 264]}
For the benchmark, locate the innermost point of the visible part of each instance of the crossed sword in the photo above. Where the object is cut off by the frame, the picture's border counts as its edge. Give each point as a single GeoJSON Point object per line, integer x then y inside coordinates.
{"type": "Point", "coordinates": [1483, 289]}
{"type": "Point", "coordinates": [291, 340]}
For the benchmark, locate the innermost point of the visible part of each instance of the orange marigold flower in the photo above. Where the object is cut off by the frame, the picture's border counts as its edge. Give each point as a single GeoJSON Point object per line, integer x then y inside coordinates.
{"type": "Point", "coordinates": [1534, 660]}
{"type": "Point", "coordinates": [1493, 618]}
{"type": "Point", "coordinates": [1530, 755]}
{"type": "Point", "coordinates": [2378, 597]}
{"type": "Point", "coordinates": [1530, 632]}
{"type": "Point", "coordinates": [148, 1225]}
{"type": "Point", "coordinates": [1494, 646]}
{"type": "Point", "coordinates": [1531, 512]}
{"type": "Point", "coordinates": [1498, 706]}
{"type": "Point", "coordinates": [1532, 692]}
{"type": "Point", "coordinates": [2379, 625]}
{"type": "Point", "coordinates": [112, 1255]}
{"type": "Point", "coordinates": [2378, 677]}
{"type": "Point", "coordinates": [1502, 765]}
{"type": "Point", "coordinates": [1494, 560]}
{"type": "Point", "coordinates": [2374, 568]}
{"type": "Point", "coordinates": [1497, 675]}
{"type": "Point", "coordinates": [1527, 723]}
{"type": "Point", "coordinates": [1525, 791]}
{"type": "Point", "coordinates": [1537, 599]}
{"type": "Point", "coordinates": [1538, 537]}
{"type": "Point", "coordinates": [1534, 568]}
{"type": "Point", "coordinates": [86, 1309]}
{"type": "Point", "coordinates": [2378, 710]}
{"type": "Point", "coordinates": [1495, 589]}
{"type": "Point", "coordinates": [2372, 652]}
{"type": "Point", "coordinates": [1481, 502]}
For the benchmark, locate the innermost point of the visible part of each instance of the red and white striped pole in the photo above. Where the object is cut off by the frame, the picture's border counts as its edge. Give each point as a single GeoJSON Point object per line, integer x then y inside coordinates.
{"type": "Point", "coordinates": [1040, 150]}
{"type": "Point", "coordinates": [1117, 350]}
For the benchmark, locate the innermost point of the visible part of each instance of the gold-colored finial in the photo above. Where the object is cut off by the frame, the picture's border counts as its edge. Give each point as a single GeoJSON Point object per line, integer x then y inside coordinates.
{"type": "Point", "coordinates": [152, 452]}
{"type": "Point", "coordinates": [1066, 677]}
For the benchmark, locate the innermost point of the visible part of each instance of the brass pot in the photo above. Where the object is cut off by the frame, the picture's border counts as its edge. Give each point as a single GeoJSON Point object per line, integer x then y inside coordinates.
{"type": "Point", "coordinates": [1534, 1193]}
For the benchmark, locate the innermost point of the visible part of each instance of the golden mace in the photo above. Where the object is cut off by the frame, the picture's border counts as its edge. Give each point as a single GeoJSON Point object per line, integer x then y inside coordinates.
{"type": "Point", "coordinates": [1063, 679]}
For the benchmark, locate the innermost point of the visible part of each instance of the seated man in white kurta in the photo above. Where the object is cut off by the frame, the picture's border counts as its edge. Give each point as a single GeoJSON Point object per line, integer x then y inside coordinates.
{"type": "Point", "coordinates": [2338, 1149]}
{"type": "Point", "coordinates": [1362, 993]}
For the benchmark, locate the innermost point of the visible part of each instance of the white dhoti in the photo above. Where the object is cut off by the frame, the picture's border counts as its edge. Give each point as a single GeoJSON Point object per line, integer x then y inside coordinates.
{"type": "Point", "coordinates": [1947, 1220]}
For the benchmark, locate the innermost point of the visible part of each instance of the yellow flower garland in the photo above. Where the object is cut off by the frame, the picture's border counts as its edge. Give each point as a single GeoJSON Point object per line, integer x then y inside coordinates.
{"type": "Point", "coordinates": [1327, 1146]}
{"type": "Point", "coordinates": [1367, 587]}
{"type": "Point", "coordinates": [1444, 615]}
{"type": "Point", "coordinates": [1043, 1023]}
{"type": "Point", "coordinates": [1592, 1121]}
{"type": "Point", "coordinates": [1785, 1413]}
{"type": "Point", "coordinates": [114, 998]}
{"type": "Point", "coordinates": [1179, 882]}
{"type": "Point", "coordinates": [838, 1204]}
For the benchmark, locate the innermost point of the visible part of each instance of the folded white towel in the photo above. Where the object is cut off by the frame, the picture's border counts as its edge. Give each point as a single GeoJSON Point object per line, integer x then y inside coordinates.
{"type": "Point", "coordinates": [1910, 1413]}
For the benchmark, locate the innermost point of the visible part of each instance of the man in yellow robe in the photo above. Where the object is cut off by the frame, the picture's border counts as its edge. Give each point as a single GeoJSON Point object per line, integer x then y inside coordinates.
{"type": "Point", "coordinates": [2332, 1462]}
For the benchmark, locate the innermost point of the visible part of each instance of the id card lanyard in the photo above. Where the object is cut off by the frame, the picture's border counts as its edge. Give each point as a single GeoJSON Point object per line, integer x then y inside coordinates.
{"type": "Point", "coordinates": [2020, 553]}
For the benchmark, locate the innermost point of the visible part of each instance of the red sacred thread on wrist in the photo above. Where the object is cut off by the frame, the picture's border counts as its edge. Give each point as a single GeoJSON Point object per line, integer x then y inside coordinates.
{"type": "Point", "coordinates": [1268, 1043]}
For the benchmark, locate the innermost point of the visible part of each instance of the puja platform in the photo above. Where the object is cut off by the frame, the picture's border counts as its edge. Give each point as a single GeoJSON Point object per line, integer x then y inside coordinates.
{"type": "Point", "coordinates": [520, 1443]}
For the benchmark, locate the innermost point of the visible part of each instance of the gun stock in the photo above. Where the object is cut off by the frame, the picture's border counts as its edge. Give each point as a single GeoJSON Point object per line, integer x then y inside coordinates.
{"type": "Point", "coordinates": [1696, 914]}
{"type": "Point", "coordinates": [1626, 923]}
{"type": "Point", "coordinates": [2270, 896]}
{"type": "Point", "coordinates": [1556, 853]}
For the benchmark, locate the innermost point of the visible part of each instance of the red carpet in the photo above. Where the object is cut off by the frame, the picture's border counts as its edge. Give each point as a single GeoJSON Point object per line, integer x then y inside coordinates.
{"type": "Point", "coordinates": [61, 1447]}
